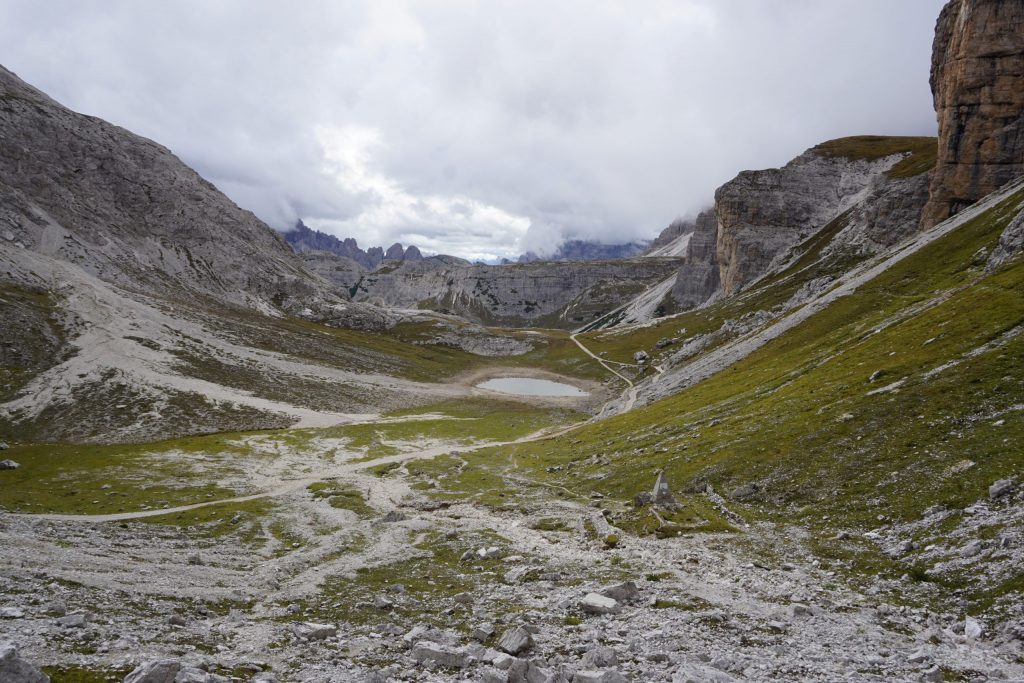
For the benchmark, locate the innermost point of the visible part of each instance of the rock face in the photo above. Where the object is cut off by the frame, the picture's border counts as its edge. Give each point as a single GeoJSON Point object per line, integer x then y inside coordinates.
{"type": "Point", "coordinates": [125, 209]}
{"type": "Point", "coordinates": [341, 271]}
{"type": "Point", "coordinates": [698, 279]}
{"type": "Point", "coordinates": [873, 187]}
{"type": "Point", "coordinates": [563, 294]}
{"type": "Point", "coordinates": [762, 214]}
{"type": "Point", "coordinates": [977, 80]}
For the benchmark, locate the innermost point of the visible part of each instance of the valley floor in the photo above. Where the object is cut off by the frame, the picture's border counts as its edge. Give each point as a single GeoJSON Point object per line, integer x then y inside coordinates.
{"type": "Point", "coordinates": [377, 552]}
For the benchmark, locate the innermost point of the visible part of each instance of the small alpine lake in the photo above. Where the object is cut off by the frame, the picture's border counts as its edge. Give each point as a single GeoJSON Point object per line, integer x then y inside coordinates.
{"type": "Point", "coordinates": [528, 386]}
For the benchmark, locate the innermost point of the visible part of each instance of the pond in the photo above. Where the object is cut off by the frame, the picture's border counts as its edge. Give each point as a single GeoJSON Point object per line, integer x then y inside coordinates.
{"type": "Point", "coordinates": [525, 386]}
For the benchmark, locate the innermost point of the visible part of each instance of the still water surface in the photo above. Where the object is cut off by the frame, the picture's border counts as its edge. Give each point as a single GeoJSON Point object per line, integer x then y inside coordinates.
{"type": "Point", "coordinates": [526, 386]}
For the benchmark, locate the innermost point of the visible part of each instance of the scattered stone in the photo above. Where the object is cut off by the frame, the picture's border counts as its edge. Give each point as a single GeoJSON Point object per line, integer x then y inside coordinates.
{"type": "Point", "coordinates": [932, 675]}
{"type": "Point", "coordinates": [665, 341]}
{"type": "Point", "coordinates": [595, 603]}
{"type": "Point", "coordinates": [608, 676]}
{"type": "Point", "coordinates": [798, 610]}
{"type": "Point", "coordinates": [160, 671]}
{"type": "Point", "coordinates": [394, 516]}
{"type": "Point", "coordinates": [641, 357]}
{"type": "Point", "coordinates": [8, 465]}
{"type": "Point", "coordinates": [426, 651]}
{"type": "Point", "coordinates": [11, 613]}
{"type": "Point", "coordinates": [195, 559]}
{"type": "Point", "coordinates": [526, 671]}
{"type": "Point", "coordinates": [3, 446]}
{"type": "Point", "coordinates": [308, 630]}
{"type": "Point", "coordinates": [14, 669]}
{"type": "Point", "coordinates": [745, 492]}
{"type": "Point", "coordinates": [972, 628]}
{"type": "Point", "coordinates": [972, 549]}
{"type": "Point", "coordinates": [1000, 488]}
{"type": "Point", "coordinates": [626, 591]}
{"type": "Point", "coordinates": [483, 632]}
{"type": "Point", "coordinates": [380, 602]}
{"type": "Point", "coordinates": [76, 620]}
{"type": "Point", "coordinates": [515, 641]}
{"type": "Point", "coordinates": [177, 620]}
{"type": "Point", "coordinates": [600, 657]}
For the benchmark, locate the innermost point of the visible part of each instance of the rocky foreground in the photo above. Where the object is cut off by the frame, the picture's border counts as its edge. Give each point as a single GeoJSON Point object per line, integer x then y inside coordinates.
{"type": "Point", "coordinates": [416, 590]}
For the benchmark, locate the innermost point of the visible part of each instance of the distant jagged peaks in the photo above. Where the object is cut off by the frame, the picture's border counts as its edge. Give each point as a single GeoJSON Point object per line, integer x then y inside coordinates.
{"type": "Point", "coordinates": [582, 250]}
{"type": "Point", "coordinates": [303, 238]}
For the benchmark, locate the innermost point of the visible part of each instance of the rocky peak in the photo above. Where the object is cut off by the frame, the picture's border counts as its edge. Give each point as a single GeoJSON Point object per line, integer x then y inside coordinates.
{"type": "Point", "coordinates": [977, 80]}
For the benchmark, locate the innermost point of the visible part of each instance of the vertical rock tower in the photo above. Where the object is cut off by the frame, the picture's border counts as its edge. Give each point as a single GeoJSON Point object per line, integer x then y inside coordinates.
{"type": "Point", "coordinates": [977, 81]}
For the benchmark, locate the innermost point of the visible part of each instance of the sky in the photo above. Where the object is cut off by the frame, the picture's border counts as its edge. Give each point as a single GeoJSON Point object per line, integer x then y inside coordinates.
{"type": "Point", "coordinates": [482, 129]}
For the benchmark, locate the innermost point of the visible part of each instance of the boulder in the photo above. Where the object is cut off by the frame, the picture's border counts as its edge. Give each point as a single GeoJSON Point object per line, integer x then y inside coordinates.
{"type": "Point", "coordinates": [14, 669]}
{"type": "Point", "coordinates": [8, 465]}
{"type": "Point", "coordinates": [600, 657]}
{"type": "Point", "coordinates": [160, 671]}
{"type": "Point", "coordinates": [1000, 488]}
{"type": "Point", "coordinates": [525, 671]}
{"type": "Point", "coordinates": [308, 630]}
{"type": "Point", "coordinates": [426, 651]}
{"type": "Point", "coordinates": [607, 676]}
{"type": "Point", "coordinates": [595, 603]}
{"type": "Point", "coordinates": [626, 591]}
{"type": "Point", "coordinates": [515, 641]}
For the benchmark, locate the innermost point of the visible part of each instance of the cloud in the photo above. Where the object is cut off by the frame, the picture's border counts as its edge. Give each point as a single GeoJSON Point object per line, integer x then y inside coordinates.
{"type": "Point", "coordinates": [483, 129]}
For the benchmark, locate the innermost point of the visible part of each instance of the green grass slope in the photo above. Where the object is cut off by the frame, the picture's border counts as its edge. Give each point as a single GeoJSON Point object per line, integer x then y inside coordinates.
{"type": "Point", "coordinates": [904, 395]}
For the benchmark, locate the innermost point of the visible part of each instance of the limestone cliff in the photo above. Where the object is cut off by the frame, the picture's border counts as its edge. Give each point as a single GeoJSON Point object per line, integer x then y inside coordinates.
{"type": "Point", "coordinates": [977, 80]}
{"type": "Point", "coordinates": [698, 279]}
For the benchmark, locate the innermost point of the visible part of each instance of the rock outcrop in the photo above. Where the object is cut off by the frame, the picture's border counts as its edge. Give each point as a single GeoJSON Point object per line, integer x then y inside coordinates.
{"type": "Point", "coordinates": [873, 187]}
{"type": "Point", "coordinates": [698, 279]}
{"type": "Point", "coordinates": [762, 214]}
{"type": "Point", "coordinates": [977, 80]}
{"type": "Point", "coordinates": [341, 271]}
{"type": "Point", "coordinates": [304, 239]}
{"type": "Point", "coordinates": [585, 250]}
{"type": "Point", "coordinates": [560, 294]}
{"type": "Point", "coordinates": [125, 209]}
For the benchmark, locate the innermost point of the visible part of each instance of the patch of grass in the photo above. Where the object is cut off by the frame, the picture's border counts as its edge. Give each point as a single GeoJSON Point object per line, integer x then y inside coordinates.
{"type": "Point", "coordinates": [800, 416]}
{"type": "Point", "coordinates": [550, 524]}
{"type": "Point", "coordinates": [342, 497]}
{"type": "Point", "coordinates": [922, 151]}
{"type": "Point", "coordinates": [79, 674]}
{"type": "Point", "coordinates": [103, 479]}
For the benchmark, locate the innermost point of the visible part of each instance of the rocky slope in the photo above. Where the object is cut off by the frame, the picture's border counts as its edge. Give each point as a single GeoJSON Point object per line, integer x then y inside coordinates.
{"type": "Point", "coordinates": [977, 80]}
{"type": "Point", "coordinates": [123, 208]}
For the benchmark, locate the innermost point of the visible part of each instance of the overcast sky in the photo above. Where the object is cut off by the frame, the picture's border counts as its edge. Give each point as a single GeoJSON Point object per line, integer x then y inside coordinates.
{"type": "Point", "coordinates": [481, 129]}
